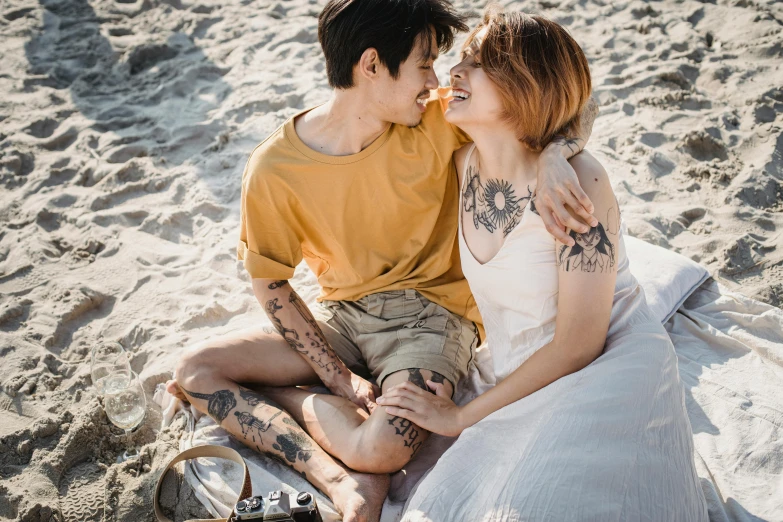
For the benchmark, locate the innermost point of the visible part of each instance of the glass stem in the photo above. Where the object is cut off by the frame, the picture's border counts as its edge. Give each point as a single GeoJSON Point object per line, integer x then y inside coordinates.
{"type": "Point", "coordinates": [129, 450]}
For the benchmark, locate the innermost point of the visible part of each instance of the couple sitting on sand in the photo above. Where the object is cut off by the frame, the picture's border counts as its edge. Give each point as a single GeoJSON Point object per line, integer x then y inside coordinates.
{"type": "Point", "coordinates": [414, 219]}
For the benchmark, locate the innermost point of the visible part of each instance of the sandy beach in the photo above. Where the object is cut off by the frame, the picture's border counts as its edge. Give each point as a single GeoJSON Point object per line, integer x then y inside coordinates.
{"type": "Point", "coordinates": [124, 130]}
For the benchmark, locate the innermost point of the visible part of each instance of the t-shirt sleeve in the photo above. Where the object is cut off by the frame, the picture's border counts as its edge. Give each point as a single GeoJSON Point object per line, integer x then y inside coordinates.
{"type": "Point", "coordinates": [462, 136]}
{"type": "Point", "coordinates": [268, 244]}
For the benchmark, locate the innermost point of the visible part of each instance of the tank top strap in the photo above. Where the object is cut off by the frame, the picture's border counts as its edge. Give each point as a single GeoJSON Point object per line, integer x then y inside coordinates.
{"type": "Point", "coordinates": [467, 164]}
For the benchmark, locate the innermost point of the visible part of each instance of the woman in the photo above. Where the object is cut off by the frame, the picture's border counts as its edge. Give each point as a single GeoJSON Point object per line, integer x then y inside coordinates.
{"type": "Point", "coordinates": [588, 420]}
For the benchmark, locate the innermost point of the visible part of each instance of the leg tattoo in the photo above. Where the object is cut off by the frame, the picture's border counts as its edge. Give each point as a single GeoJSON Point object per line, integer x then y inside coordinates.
{"type": "Point", "coordinates": [407, 430]}
{"type": "Point", "coordinates": [436, 377]}
{"type": "Point", "coordinates": [415, 376]}
{"type": "Point", "coordinates": [294, 445]}
{"type": "Point", "coordinates": [247, 421]}
{"type": "Point", "coordinates": [219, 403]}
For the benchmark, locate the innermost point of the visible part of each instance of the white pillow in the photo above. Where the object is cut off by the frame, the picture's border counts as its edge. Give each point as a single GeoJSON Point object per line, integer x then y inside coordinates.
{"type": "Point", "coordinates": [668, 278]}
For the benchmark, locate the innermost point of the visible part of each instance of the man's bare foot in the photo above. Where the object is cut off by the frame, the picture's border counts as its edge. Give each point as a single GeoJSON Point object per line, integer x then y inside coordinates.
{"type": "Point", "coordinates": [173, 388]}
{"type": "Point", "coordinates": [359, 496]}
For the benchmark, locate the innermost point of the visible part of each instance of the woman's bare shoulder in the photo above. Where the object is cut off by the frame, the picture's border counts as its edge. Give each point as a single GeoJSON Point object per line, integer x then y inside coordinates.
{"type": "Point", "coordinates": [592, 176]}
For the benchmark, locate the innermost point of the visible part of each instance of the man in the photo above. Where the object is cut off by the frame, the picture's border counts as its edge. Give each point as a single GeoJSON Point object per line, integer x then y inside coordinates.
{"type": "Point", "coordinates": [364, 190]}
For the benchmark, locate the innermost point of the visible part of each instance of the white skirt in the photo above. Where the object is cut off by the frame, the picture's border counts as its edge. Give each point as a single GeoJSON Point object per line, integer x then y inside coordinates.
{"type": "Point", "coordinates": [611, 442]}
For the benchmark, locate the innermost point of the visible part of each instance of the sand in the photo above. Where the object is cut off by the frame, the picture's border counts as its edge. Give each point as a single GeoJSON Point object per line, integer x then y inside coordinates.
{"type": "Point", "coordinates": [124, 129]}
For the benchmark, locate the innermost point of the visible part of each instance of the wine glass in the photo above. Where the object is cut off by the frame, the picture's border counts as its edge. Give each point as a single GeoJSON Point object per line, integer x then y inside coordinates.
{"type": "Point", "coordinates": [125, 405]}
{"type": "Point", "coordinates": [105, 359]}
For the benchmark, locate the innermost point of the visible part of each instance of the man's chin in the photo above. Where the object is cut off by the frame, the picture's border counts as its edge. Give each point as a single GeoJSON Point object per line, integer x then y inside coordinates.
{"type": "Point", "coordinates": [415, 121]}
{"type": "Point", "coordinates": [409, 120]}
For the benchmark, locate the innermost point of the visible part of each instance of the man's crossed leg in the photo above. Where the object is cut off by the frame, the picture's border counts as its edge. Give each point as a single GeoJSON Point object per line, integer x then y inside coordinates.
{"type": "Point", "coordinates": [247, 383]}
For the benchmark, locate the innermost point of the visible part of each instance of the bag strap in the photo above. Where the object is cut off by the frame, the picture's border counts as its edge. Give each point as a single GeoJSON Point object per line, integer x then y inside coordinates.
{"type": "Point", "coordinates": [208, 450]}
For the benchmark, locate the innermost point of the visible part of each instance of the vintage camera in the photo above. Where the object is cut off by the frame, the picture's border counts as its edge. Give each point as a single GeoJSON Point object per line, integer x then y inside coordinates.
{"type": "Point", "coordinates": [279, 506]}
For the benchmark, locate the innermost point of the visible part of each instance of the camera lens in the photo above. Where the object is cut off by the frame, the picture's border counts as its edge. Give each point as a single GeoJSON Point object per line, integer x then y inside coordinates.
{"type": "Point", "coordinates": [303, 498]}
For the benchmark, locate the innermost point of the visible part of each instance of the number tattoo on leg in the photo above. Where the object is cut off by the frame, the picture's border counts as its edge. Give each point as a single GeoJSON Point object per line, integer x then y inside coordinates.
{"type": "Point", "coordinates": [407, 430]}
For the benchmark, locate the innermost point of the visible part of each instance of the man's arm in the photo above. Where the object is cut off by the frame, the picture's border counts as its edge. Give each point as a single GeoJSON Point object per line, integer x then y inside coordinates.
{"type": "Point", "coordinates": [295, 323]}
{"type": "Point", "coordinates": [558, 186]}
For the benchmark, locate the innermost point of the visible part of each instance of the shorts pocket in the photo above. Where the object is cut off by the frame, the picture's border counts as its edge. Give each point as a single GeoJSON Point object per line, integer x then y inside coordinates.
{"type": "Point", "coordinates": [426, 334]}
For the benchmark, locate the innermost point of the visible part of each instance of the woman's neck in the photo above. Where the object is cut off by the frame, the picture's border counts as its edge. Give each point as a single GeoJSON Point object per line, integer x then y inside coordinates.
{"type": "Point", "coordinates": [503, 156]}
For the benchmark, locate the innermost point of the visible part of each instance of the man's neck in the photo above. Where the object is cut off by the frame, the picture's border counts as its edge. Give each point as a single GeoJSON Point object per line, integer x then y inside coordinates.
{"type": "Point", "coordinates": [340, 127]}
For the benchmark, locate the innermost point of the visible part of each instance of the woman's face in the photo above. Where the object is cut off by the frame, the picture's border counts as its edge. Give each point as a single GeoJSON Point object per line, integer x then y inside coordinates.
{"type": "Point", "coordinates": [475, 98]}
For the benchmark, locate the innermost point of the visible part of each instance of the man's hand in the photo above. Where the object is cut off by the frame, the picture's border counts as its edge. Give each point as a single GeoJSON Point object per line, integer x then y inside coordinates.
{"type": "Point", "coordinates": [557, 188]}
{"type": "Point", "coordinates": [357, 390]}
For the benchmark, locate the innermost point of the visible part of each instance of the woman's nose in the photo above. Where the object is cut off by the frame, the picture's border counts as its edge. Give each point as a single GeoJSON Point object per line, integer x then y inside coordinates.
{"type": "Point", "coordinates": [456, 72]}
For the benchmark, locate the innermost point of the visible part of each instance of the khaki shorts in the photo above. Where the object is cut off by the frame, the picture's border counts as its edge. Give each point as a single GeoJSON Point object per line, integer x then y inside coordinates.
{"type": "Point", "coordinates": [386, 332]}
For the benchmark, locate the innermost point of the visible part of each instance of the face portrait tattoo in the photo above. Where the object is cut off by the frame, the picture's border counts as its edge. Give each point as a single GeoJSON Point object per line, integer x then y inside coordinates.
{"type": "Point", "coordinates": [592, 252]}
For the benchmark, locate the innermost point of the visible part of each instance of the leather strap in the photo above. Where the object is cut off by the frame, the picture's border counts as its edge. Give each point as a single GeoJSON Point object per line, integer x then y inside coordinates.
{"type": "Point", "coordinates": [208, 450]}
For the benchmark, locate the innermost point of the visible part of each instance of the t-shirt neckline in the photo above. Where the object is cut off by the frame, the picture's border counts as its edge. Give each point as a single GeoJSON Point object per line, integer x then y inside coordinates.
{"type": "Point", "coordinates": [290, 133]}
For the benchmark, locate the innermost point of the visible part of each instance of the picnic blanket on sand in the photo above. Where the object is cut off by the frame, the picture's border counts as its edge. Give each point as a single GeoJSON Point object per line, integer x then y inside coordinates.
{"type": "Point", "coordinates": [730, 357]}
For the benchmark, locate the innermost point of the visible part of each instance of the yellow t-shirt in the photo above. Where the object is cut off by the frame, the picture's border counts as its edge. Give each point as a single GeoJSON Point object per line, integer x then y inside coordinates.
{"type": "Point", "coordinates": [383, 219]}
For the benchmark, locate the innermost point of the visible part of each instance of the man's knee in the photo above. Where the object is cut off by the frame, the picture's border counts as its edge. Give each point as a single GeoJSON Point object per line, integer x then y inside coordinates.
{"type": "Point", "coordinates": [196, 364]}
{"type": "Point", "coordinates": [387, 447]}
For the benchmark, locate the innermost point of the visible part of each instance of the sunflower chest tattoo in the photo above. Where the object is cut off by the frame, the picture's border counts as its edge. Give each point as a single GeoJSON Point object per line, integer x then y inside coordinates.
{"type": "Point", "coordinates": [493, 202]}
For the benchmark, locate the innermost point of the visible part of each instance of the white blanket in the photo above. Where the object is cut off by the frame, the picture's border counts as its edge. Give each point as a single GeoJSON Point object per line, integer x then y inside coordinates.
{"type": "Point", "coordinates": [730, 356]}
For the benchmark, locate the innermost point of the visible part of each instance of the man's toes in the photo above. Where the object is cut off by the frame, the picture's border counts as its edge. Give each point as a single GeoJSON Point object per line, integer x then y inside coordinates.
{"type": "Point", "coordinates": [173, 388]}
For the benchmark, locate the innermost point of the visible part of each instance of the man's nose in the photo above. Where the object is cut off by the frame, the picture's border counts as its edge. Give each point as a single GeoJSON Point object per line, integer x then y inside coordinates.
{"type": "Point", "coordinates": [432, 80]}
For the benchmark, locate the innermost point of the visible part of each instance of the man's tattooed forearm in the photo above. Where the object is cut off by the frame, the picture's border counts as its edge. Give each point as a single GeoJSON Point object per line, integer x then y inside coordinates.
{"type": "Point", "coordinates": [494, 204]}
{"type": "Point", "coordinates": [319, 350]}
{"type": "Point", "coordinates": [290, 335]}
{"type": "Point", "coordinates": [408, 431]}
{"type": "Point", "coordinates": [219, 403]}
{"type": "Point", "coordinates": [592, 252]}
{"type": "Point", "coordinates": [320, 353]}
{"type": "Point", "coordinates": [574, 144]}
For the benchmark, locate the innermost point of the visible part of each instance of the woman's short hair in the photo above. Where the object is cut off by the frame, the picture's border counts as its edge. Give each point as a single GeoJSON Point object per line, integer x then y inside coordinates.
{"type": "Point", "coordinates": [346, 28]}
{"type": "Point", "coordinates": [541, 72]}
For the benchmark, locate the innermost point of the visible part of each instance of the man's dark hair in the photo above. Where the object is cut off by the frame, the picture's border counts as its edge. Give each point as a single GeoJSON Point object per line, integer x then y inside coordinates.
{"type": "Point", "coordinates": [346, 28]}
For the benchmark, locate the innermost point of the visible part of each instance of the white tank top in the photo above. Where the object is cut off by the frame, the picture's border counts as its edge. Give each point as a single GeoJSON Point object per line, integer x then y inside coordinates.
{"type": "Point", "coordinates": [516, 291]}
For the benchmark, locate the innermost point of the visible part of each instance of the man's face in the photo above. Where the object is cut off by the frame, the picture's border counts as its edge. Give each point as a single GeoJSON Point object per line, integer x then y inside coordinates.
{"type": "Point", "coordinates": [403, 100]}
